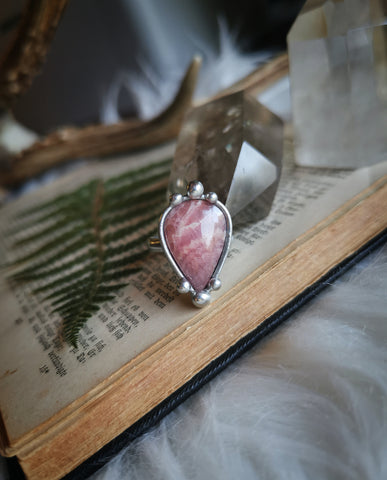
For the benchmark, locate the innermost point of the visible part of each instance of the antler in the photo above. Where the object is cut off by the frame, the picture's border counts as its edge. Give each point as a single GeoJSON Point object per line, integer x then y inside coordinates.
{"type": "Point", "coordinates": [99, 140]}
{"type": "Point", "coordinates": [27, 52]}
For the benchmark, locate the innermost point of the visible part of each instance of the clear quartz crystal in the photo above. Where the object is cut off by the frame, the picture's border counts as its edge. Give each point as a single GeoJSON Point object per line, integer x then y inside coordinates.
{"type": "Point", "coordinates": [338, 72]}
{"type": "Point", "coordinates": [234, 146]}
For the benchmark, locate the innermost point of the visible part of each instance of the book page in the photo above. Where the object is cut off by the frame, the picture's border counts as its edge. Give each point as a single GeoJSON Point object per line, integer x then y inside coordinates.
{"type": "Point", "coordinates": [39, 376]}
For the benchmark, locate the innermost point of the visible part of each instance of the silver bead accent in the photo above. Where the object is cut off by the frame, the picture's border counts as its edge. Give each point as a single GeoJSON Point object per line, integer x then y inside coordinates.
{"type": "Point", "coordinates": [195, 190]}
{"type": "Point", "coordinates": [201, 299]}
{"type": "Point", "coordinates": [184, 286]}
{"type": "Point", "coordinates": [175, 199]}
{"type": "Point", "coordinates": [212, 197]}
{"type": "Point", "coordinates": [215, 283]}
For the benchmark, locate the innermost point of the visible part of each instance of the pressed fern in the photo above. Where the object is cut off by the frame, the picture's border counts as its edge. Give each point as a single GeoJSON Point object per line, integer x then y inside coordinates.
{"type": "Point", "coordinates": [83, 245]}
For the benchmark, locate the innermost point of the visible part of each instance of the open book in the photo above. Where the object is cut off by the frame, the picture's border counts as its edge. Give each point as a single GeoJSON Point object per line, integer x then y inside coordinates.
{"type": "Point", "coordinates": [59, 405]}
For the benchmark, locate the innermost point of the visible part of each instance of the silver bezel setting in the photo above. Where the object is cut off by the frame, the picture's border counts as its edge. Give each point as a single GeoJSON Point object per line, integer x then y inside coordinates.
{"type": "Point", "coordinates": [195, 191]}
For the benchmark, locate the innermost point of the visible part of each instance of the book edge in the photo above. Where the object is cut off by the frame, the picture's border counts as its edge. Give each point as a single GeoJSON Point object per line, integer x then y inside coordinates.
{"type": "Point", "coordinates": [42, 462]}
{"type": "Point", "coordinates": [48, 429]}
{"type": "Point", "coordinates": [150, 419]}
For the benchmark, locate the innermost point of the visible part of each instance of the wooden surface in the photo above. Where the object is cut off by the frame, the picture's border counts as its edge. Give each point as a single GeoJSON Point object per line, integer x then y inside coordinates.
{"type": "Point", "coordinates": [73, 435]}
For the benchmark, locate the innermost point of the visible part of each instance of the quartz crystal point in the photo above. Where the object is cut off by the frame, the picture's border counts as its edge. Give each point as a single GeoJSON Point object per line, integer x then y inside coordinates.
{"type": "Point", "coordinates": [233, 146]}
{"type": "Point", "coordinates": [338, 74]}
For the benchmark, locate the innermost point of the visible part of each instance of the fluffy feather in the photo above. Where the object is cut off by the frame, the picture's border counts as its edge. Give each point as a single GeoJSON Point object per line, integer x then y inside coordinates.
{"type": "Point", "coordinates": [308, 402]}
{"type": "Point", "coordinates": [151, 91]}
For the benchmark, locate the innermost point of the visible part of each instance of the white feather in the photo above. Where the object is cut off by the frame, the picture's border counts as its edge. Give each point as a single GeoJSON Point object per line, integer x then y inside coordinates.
{"type": "Point", "coordinates": [151, 91]}
{"type": "Point", "coordinates": [308, 402]}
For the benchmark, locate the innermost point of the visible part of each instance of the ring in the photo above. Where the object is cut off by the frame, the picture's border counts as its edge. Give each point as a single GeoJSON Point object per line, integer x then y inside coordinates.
{"type": "Point", "coordinates": [195, 234]}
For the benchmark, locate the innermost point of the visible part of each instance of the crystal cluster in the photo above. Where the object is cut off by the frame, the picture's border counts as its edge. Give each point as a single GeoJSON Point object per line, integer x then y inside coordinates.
{"type": "Point", "coordinates": [233, 146]}
{"type": "Point", "coordinates": [338, 72]}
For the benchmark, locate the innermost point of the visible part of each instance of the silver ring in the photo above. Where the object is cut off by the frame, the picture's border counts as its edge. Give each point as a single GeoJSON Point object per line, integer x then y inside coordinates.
{"type": "Point", "coordinates": [203, 226]}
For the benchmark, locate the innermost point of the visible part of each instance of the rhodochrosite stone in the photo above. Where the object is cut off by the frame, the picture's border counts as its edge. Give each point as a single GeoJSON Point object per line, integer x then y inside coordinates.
{"type": "Point", "coordinates": [195, 233]}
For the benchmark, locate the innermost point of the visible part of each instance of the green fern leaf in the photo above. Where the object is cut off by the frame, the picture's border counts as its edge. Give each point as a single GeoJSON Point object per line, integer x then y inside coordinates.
{"type": "Point", "coordinates": [78, 249]}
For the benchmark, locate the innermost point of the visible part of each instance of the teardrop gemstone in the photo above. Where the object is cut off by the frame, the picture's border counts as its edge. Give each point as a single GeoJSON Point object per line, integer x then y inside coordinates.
{"type": "Point", "coordinates": [195, 233]}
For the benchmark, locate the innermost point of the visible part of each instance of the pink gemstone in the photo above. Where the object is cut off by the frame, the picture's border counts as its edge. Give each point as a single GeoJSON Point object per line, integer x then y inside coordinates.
{"type": "Point", "coordinates": [195, 232]}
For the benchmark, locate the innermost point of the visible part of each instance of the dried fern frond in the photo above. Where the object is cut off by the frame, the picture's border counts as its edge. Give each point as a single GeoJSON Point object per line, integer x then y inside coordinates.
{"type": "Point", "coordinates": [81, 247]}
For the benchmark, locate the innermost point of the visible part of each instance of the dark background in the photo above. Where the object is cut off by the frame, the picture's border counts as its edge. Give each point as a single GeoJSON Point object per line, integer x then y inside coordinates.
{"type": "Point", "coordinates": [100, 40]}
